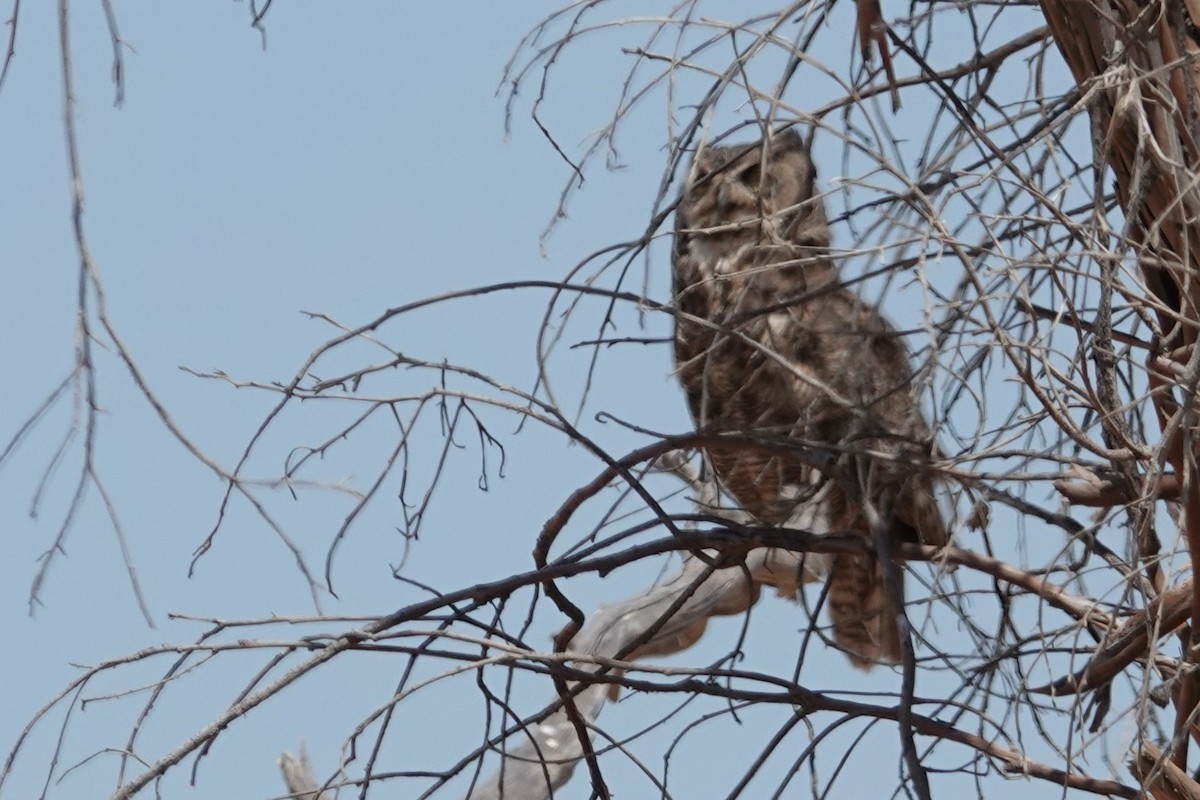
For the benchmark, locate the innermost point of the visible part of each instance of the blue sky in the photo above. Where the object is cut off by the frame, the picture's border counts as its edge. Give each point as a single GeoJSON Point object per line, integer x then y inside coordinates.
{"type": "Point", "coordinates": [359, 162]}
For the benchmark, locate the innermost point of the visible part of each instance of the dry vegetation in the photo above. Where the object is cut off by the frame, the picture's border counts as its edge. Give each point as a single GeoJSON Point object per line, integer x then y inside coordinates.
{"type": "Point", "coordinates": [1016, 185]}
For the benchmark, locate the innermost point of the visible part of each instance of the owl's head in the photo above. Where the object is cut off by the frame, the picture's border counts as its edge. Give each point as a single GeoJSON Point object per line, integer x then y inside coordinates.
{"type": "Point", "coordinates": [761, 192]}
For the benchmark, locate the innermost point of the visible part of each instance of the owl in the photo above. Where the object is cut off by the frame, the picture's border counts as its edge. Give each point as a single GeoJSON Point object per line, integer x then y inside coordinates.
{"type": "Point", "coordinates": [770, 344]}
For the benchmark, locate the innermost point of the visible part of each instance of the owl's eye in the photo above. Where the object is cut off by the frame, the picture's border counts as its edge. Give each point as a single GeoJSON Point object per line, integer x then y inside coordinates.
{"type": "Point", "coordinates": [752, 177]}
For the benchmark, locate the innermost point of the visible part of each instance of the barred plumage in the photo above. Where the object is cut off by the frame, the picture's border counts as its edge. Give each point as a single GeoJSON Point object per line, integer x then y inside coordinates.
{"type": "Point", "coordinates": [768, 342]}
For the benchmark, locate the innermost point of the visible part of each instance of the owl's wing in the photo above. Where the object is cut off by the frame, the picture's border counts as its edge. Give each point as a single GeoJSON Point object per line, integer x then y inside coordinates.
{"type": "Point", "coordinates": [870, 366]}
{"type": "Point", "coordinates": [872, 412]}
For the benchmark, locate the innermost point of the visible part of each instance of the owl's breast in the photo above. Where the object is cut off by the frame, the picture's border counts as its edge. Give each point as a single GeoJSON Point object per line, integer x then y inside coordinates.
{"type": "Point", "coordinates": [717, 256]}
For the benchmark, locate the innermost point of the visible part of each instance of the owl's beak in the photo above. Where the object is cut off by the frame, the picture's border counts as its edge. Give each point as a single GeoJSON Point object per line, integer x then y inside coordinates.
{"type": "Point", "coordinates": [723, 199]}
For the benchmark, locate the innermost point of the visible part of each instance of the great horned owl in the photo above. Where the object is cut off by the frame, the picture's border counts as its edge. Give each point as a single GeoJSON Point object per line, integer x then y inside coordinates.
{"type": "Point", "coordinates": [768, 342]}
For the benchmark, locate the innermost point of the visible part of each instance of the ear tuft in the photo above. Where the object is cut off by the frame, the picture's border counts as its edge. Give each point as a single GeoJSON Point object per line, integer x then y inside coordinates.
{"type": "Point", "coordinates": [789, 139]}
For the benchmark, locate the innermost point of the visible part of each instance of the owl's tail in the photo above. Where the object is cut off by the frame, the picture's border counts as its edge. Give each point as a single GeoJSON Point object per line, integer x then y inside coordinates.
{"type": "Point", "coordinates": [864, 614]}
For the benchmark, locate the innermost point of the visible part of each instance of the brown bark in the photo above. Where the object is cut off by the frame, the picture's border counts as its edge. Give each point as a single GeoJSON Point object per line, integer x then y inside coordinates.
{"type": "Point", "coordinates": [1136, 65]}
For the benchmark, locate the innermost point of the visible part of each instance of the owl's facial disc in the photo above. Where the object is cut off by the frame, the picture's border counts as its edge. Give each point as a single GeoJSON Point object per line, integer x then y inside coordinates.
{"type": "Point", "coordinates": [727, 189]}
